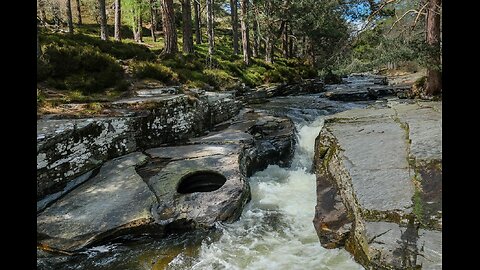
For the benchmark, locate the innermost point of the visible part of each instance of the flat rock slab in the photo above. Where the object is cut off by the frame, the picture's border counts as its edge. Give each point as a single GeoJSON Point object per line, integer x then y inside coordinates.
{"type": "Point", "coordinates": [383, 163]}
{"type": "Point", "coordinates": [403, 247]}
{"type": "Point", "coordinates": [374, 151]}
{"type": "Point", "coordinates": [115, 199]}
{"type": "Point", "coordinates": [425, 128]}
{"type": "Point", "coordinates": [192, 151]}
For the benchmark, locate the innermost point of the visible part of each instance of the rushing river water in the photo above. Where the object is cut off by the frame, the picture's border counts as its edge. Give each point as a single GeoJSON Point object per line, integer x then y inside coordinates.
{"type": "Point", "coordinates": [275, 230]}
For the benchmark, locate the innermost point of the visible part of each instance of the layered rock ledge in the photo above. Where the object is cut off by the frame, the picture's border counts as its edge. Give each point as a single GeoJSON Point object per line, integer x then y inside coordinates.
{"type": "Point", "coordinates": [359, 87]}
{"type": "Point", "coordinates": [168, 188]}
{"type": "Point", "coordinates": [68, 148]}
{"type": "Point", "coordinates": [379, 185]}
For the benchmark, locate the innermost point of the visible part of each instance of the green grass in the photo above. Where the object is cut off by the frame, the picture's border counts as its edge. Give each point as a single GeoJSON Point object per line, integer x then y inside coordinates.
{"type": "Point", "coordinates": [85, 68]}
{"type": "Point", "coordinates": [119, 50]}
{"type": "Point", "coordinates": [83, 65]}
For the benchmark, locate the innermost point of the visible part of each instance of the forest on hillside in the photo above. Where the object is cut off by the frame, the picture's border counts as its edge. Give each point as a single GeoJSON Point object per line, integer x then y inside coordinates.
{"type": "Point", "coordinates": [91, 49]}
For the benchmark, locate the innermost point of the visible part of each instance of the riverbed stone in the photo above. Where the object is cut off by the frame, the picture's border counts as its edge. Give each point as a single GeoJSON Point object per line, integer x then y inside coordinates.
{"type": "Point", "coordinates": [113, 202]}
{"type": "Point", "coordinates": [379, 184]}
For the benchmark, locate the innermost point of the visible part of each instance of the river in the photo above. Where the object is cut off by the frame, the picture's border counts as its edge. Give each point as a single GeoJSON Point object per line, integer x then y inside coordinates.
{"type": "Point", "coordinates": [275, 230]}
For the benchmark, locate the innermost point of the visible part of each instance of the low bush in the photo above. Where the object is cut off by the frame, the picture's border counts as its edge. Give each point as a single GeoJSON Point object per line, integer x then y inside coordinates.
{"type": "Point", "coordinates": [78, 68]}
{"type": "Point", "coordinates": [218, 78]}
{"type": "Point", "coordinates": [157, 71]}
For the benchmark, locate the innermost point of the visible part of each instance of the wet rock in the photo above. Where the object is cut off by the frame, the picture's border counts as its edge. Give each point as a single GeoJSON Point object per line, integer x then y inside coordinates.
{"type": "Point", "coordinates": [267, 139]}
{"type": "Point", "coordinates": [261, 93]}
{"type": "Point", "coordinates": [379, 184]}
{"type": "Point", "coordinates": [158, 91]}
{"type": "Point", "coordinates": [364, 87]}
{"type": "Point", "coordinates": [116, 201]}
{"type": "Point", "coordinates": [274, 143]}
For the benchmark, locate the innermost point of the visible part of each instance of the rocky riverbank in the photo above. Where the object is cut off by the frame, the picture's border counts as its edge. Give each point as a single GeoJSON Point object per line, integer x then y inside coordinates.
{"type": "Point", "coordinates": [184, 159]}
{"type": "Point", "coordinates": [173, 188]}
{"type": "Point", "coordinates": [379, 185]}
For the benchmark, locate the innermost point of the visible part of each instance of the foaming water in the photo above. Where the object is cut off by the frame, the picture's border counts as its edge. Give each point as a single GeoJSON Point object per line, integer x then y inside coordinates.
{"type": "Point", "coordinates": [275, 230]}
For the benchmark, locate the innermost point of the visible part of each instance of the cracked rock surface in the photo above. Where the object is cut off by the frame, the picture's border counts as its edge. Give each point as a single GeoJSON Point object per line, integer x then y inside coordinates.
{"type": "Point", "coordinates": [379, 183]}
{"type": "Point", "coordinates": [139, 193]}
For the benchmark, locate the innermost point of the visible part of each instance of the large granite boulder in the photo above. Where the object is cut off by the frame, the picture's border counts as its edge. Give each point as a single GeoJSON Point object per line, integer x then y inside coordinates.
{"type": "Point", "coordinates": [68, 148]}
{"type": "Point", "coordinates": [99, 209]}
{"type": "Point", "coordinates": [165, 189]}
{"type": "Point", "coordinates": [379, 182]}
{"type": "Point", "coordinates": [202, 184]}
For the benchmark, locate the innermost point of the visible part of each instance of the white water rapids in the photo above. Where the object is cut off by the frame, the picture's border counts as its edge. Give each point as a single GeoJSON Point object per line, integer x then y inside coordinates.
{"type": "Point", "coordinates": [275, 230]}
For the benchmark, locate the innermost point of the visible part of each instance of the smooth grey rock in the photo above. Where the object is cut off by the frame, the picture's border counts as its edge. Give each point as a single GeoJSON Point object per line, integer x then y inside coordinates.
{"type": "Point", "coordinates": [374, 151]}
{"type": "Point", "coordinates": [115, 200]}
{"type": "Point", "coordinates": [192, 151]}
{"type": "Point", "coordinates": [379, 184]}
{"type": "Point", "coordinates": [430, 244]}
{"type": "Point", "coordinates": [391, 245]}
{"type": "Point", "coordinates": [157, 91]}
{"type": "Point", "coordinates": [199, 209]}
{"type": "Point", "coordinates": [42, 204]}
{"type": "Point", "coordinates": [425, 128]}
{"type": "Point", "coordinates": [68, 148]}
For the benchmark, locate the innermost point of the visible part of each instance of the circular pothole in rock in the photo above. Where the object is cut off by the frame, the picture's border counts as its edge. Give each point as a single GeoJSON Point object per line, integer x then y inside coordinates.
{"type": "Point", "coordinates": [201, 181]}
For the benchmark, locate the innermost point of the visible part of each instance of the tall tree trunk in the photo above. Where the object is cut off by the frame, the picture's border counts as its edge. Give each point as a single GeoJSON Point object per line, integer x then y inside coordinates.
{"type": "Point", "coordinates": [103, 20]}
{"type": "Point", "coordinates": [290, 44]}
{"type": "Point", "coordinates": [210, 31]}
{"type": "Point", "coordinates": [57, 15]}
{"type": "Point", "coordinates": [136, 32]}
{"type": "Point", "coordinates": [245, 36]}
{"type": "Point", "coordinates": [311, 50]}
{"type": "Point", "coordinates": [140, 28]}
{"type": "Point", "coordinates": [118, 20]}
{"type": "Point", "coordinates": [69, 16]}
{"type": "Point", "coordinates": [198, 33]}
{"type": "Point", "coordinates": [234, 15]}
{"type": "Point", "coordinates": [153, 20]}
{"type": "Point", "coordinates": [434, 76]}
{"type": "Point", "coordinates": [41, 9]}
{"type": "Point", "coordinates": [256, 41]}
{"type": "Point", "coordinates": [39, 49]}
{"type": "Point", "coordinates": [136, 21]}
{"type": "Point", "coordinates": [304, 46]}
{"type": "Point", "coordinates": [285, 41]}
{"type": "Point", "coordinates": [79, 12]}
{"type": "Point", "coordinates": [269, 49]}
{"type": "Point", "coordinates": [187, 26]}
{"type": "Point", "coordinates": [168, 17]}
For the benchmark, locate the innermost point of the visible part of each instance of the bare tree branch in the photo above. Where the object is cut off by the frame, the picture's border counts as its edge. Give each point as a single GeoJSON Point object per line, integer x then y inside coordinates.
{"type": "Point", "coordinates": [401, 17]}
{"type": "Point", "coordinates": [418, 15]}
